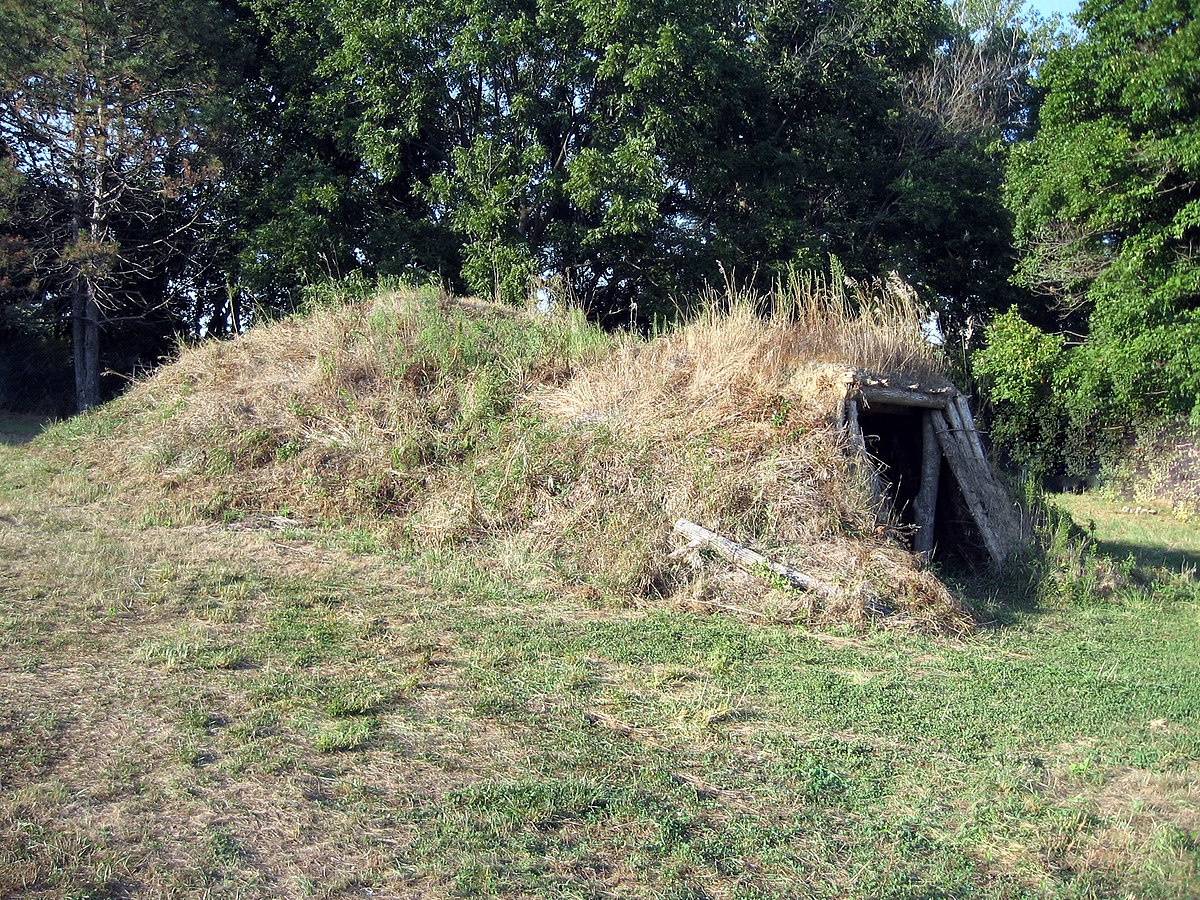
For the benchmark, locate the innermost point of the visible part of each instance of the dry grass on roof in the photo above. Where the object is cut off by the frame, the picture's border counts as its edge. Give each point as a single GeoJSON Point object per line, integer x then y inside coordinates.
{"type": "Point", "coordinates": [540, 442]}
{"type": "Point", "coordinates": [876, 325]}
{"type": "Point", "coordinates": [736, 413]}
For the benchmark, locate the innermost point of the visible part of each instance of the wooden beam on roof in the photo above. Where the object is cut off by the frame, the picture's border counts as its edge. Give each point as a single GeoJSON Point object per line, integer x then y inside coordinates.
{"type": "Point", "coordinates": [902, 396]}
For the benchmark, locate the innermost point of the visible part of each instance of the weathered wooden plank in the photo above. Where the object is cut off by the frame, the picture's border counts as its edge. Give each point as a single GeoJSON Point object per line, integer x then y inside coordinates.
{"type": "Point", "coordinates": [854, 428]}
{"type": "Point", "coordinates": [968, 422]}
{"type": "Point", "coordinates": [925, 505]}
{"type": "Point", "coordinates": [962, 463]}
{"type": "Point", "coordinates": [845, 402]}
{"type": "Point", "coordinates": [955, 420]}
{"type": "Point", "coordinates": [954, 417]}
{"type": "Point", "coordinates": [750, 560]}
{"type": "Point", "coordinates": [883, 393]}
{"type": "Point", "coordinates": [859, 442]}
{"type": "Point", "coordinates": [986, 498]}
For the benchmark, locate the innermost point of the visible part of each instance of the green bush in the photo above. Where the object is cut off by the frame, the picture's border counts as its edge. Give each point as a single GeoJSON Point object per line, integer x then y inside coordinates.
{"type": "Point", "coordinates": [1018, 370]}
{"type": "Point", "coordinates": [1054, 409]}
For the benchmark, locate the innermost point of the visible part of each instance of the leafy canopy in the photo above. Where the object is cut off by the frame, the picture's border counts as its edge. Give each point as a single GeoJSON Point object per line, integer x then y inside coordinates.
{"type": "Point", "coordinates": [1107, 198]}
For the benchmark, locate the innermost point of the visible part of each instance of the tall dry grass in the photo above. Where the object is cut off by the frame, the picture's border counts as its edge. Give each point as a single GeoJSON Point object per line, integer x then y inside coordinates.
{"type": "Point", "coordinates": [522, 436]}
{"type": "Point", "coordinates": [729, 421]}
{"type": "Point", "coordinates": [877, 325]}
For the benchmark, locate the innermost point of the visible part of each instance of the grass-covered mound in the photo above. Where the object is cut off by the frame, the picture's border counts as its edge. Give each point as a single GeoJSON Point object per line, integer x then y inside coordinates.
{"type": "Point", "coordinates": [539, 443]}
{"type": "Point", "coordinates": [494, 707]}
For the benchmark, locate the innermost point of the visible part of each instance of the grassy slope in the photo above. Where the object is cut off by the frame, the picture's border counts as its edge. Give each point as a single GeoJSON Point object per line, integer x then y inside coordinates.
{"type": "Point", "coordinates": [203, 710]}
{"type": "Point", "coordinates": [215, 709]}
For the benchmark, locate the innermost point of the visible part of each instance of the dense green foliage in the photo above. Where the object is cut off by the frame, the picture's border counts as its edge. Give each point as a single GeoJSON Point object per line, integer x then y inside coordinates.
{"type": "Point", "coordinates": [627, 153]}
{"type": "Point", "coordinates": [184, 173]}
{"type": "Point", "coordinates": [110, 117]}
{"type": "Point", "coordinates": [1019, 367]}
{"type": "Point", "coordinates": [621, 155]}
{"type": "Point", "coordinates": [1107, 209]}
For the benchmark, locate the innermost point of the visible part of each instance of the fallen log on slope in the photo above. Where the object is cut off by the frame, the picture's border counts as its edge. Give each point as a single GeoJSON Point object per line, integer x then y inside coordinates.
{"type": "Point", "coordinates": [750, 560]}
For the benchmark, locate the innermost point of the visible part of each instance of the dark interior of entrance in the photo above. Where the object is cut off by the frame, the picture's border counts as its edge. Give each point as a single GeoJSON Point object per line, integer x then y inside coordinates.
{"type": "Point", "coordinates": [893, 436]}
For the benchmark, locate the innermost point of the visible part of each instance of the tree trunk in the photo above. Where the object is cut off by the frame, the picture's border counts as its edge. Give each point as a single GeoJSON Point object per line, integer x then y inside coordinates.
{"type": "Point", "coordinates": [85, 312]}
{"type": "Point", "coordinates": [85, 334]}
{"type": "Point", "coordinates": [88, 187]}
{"type": "Point", "coordinates": [86, 305]}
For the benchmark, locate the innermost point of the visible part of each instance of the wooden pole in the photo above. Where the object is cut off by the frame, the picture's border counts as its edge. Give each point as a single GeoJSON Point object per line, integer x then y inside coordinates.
{"type": "Point", "coordinates": [843, 405]}
{"type": "Point", "coordinates": [750, 560]}
{"type": "Point", "coordinates": [925, 506]}
{"type": "Point", "coordinates": [856, 435]}
{"type": "Point", "coordinates": [986, 499]}
{"type": "Point", "coordinates": [882, 393]}
{"type": "Point", "coordinates": [968, 422]}
{"type": "Point", "coordinates": [956, 422]}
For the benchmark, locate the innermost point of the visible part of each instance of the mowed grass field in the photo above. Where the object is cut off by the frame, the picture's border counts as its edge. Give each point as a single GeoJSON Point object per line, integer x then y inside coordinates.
{"type": "Point", "coordinates": [1149, 533]}
{"type": "Point", "coordinates": [228, 710]}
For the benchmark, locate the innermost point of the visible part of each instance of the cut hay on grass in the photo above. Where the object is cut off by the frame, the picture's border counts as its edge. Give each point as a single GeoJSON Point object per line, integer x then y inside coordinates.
{"type": "Point", "coordinates": [540, 443]}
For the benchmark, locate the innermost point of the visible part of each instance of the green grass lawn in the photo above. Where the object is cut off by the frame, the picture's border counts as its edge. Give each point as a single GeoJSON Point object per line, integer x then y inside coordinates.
{"type": "Point", "coordinates": [1122, 529]}
{"type": "Point", "coordinates": [211, 711]}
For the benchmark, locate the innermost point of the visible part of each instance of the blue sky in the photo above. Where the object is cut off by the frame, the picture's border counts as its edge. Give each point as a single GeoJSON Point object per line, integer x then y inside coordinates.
{"type": "Point", "coordinates": [1046, 7]}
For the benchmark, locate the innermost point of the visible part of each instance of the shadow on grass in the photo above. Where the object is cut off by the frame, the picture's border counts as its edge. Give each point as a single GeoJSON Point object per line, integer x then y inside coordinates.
{"type": "Point", "coordinates": [998, 599]}
{"type": "Point", "coordinates": [1149, 555]}
{"type": "Point", "coordinates": [1153, 541]}
{"type": "Point", "coordinates": [18, 429]}
{"type": "Point", "coordinates": [1021, 590]}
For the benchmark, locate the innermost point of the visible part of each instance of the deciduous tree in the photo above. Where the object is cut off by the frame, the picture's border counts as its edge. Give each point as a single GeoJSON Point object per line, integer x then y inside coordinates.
{"type": "Point", "coordinates": [1107, 203]}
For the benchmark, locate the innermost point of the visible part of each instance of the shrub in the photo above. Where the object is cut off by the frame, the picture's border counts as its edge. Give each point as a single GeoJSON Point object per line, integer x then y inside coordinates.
{"type": "Point", "coordinates": [1018, 371]}
{"type": "Point", "coordinates": [1054, 409]}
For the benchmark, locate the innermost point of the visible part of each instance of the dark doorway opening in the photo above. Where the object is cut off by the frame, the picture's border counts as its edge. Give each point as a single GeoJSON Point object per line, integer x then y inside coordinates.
{"type": "Point", "coordinates": [894, 438]}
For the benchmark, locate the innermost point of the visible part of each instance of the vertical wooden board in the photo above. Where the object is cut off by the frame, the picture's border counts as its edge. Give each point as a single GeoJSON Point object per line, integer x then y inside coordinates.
{"type": "Point", "coordinates": [925, 506]}
{"type": "Point", "coordinates": [986, 499]}
{"type": "Point", "coordinates": [963, 408]}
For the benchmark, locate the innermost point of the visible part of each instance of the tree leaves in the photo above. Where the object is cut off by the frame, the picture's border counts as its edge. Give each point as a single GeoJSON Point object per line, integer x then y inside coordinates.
{"type": "Point", "coordinates": [1107, 203]}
